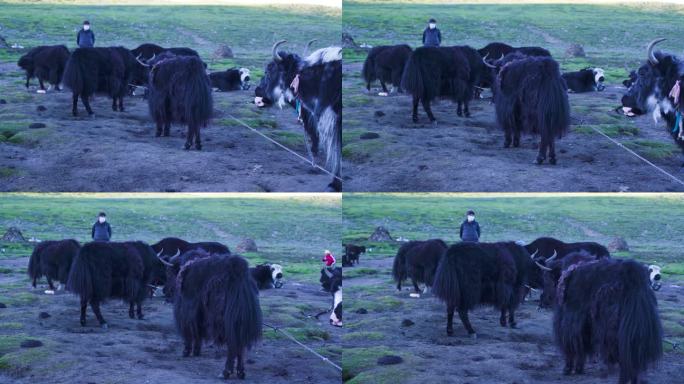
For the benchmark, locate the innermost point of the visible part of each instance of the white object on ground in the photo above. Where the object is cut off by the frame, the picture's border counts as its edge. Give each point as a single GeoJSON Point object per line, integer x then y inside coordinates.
{"type": "Point", "coordinates": [382, 94]}
{"type": "Point", "coordinates": [49, 292]}
{"type": "Point", "coordinates": [40, 91]}
{"type": "Point", "coordinates": [416, 295]}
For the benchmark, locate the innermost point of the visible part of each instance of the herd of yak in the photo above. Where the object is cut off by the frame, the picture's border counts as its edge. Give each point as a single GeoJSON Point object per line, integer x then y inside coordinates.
{"type": "Point", "coordinates": [529, 91]}
{"type": "Point", "coordinates": [602, 306]}
{"type": "Point", "coordinates": [214, 292]}
{"type": "Point", "coordinates": [179, 89]}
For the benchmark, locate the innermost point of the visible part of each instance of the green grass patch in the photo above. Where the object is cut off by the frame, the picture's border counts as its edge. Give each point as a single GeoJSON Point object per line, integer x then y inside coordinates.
{"type": "Point", "coordinates": [359, 152]}
{"type": "Point", "coordinates": [356, 360]}
{"type": "Point", "coordinates": [652, 149]}
{"type": "Point", "coordinates": [361, 336]}
{"type": "Point", "coordinates": [357, 272]}
{"type": "Point", "coordinates": [612, 130]}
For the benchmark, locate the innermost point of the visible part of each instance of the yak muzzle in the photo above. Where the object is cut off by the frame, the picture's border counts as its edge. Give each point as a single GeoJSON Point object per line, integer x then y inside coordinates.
{"type": "Point", "coordinates": [278, 283]}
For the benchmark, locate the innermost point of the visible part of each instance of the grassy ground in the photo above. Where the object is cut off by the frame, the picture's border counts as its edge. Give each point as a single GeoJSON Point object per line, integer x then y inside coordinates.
{"type": "Point", "coordinates": [650, 224]}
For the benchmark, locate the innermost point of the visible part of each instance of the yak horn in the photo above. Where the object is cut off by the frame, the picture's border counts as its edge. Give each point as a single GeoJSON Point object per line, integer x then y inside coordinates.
{"type": "Point", "coordinates": [160, 252]}
{"type": "Point", "coordinates": [141, 62]}
{"type": "Point", "coordinates": [651, 57]}
{"type": "Point", "coordinates": [276, 56]}
{"type": "Point", "coordinates": [165, 262]}
{"type": "Point", "coordinates": [553, 256]}
{"type": "Point", "coordinates": [543, 267]}
{"type": "Point", "coordinates": [308, 45]}
{"type": "Point", "coordinates": [175, 256]}
{"type": "Point", "coordinates": [484, 60]}
{"type": "Point", "coordinates": [534, 254]}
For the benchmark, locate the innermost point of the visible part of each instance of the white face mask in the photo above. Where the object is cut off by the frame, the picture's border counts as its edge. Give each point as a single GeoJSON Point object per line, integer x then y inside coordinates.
{"type": "Point", "coordinates": [86, 27]}
{"type": "Point", "coordinates": [432, 25]}
{"type": "Point", "coordinates": [101, 219]}
{"type": "Point", "coordinates": [471, 217]}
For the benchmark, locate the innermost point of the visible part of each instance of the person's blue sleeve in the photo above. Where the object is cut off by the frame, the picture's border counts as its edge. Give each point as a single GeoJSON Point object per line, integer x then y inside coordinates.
{"type": "Point", "coordinates": [78, 39]}
{"type": "Point", "coordinates": [478, 230]}
{"type": "Point", "coordinates": [109, 230]}
{"type": "Point", "coordinates": [439, 35]}
{"type": "Point", "coordinates": [92, 232]}
{"type": "Point", "coordinates": [460, 233]}
{"type": "Point", "coordinates": [424, 36]}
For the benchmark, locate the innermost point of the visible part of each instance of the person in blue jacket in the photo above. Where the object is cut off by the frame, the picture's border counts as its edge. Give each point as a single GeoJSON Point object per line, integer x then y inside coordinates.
{"type": "Point", "coordinates": [101, 231]}
{"type": "Point", "coordinates": [432, 37]}
{"type": "Point", "coordinates": [470, 229]}
{"type": "Point", "coordinates": [85, 37]}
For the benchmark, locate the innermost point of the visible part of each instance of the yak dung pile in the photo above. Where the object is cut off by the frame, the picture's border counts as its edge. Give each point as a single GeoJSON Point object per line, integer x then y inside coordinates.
{"type": "Point", "coordinates": [380, 234]}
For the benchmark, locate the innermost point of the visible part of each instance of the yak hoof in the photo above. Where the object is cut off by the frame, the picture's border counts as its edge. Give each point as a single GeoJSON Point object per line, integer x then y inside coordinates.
{"type": "Point", "coordinates": [467, 114]}
{"type": "Point", "coordinates": [450, 332]}
{"type": "Point", "coordinates": [131, 315]}
{"type": "Point", "coordinates": [241, 375]}
{"type": "Point", "coordinates": [473, 336]}
{"type": "Point", "coordinates": [141, 317]}
{"type": "Point", "coordinates": [198, 147]}
{"type": "Point", "coordinates": [538, 160]}
{"type": "Point", "coordinates": [104, 326]}
{"type": "Point", "coordinates": [415, 120]}
{"type": "Point", "coordinates": [83, 323]}
{"type": "Point", "coordinates": [226, 374]}
{"type": "Point", "coordinates": [186, 353]}
{"type": "Point", "coordinates": [513, 325]}
{"type": "Point", "coordinates": [567, 371]}
{"type": "Point", "coordinates": [187, 146]}
{"type": "Point", "coordinates": [552, 161]}
{"type": "Point", "coordinates": [157, 134]}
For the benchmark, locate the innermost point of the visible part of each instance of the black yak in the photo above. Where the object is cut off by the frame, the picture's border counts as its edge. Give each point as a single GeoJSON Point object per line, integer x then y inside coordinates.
{"type": "Point", "coordinates": [52, 259]}
{"type": "Point", "coordinates": [471, 274]}
{"type": "Point", "coordinates": [176, 262]}
{"type": "Point", "coordinates": [385, 63]}
{"type": "Point", "coordinates": [313, 86]}
{"type": "Point", "coordinates": [326, 277]}
{"type": "Point", "coordinates": [180, 92]}
{"type": "Point", "coordinates": [654, 90]}
{"type": "Point", "coordinates": [585, 80]}
{"type": "Point", "coordinates": [531, 96]}
{"type": "Point", "coordinates": [147, 51]}
{"type": "Point", "coordinates": [606, 307]}
{"type": "Point", "coordinates": [267, 276]}
{"type": "Point", "coordinates": [495, 51]}
{"type": "Point", "coordinates": [632, 77]}
{"type": "Point", "coordinates": [172, 246]}
{"type": "Point", "coordinates": [47, 63]}
{"type": "Point", "coordinates": [433, 72]}
{"type": "Point", "coordinates": [548, 246]}
{"type": "Point", "coordinates": [104, 270]}
{"type": "Point", "coordinates": [232, 79]}
{"type": "Point", "coordinates": [418, 261]}
{"type": "Point", "coordinates": [103, 70]}
{"type": "Point", "coordinates": [218, 301]}
{"type": "Point", "coordinates": [351, 254]}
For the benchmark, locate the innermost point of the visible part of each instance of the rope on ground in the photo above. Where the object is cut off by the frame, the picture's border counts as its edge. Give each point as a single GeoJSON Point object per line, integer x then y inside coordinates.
{"type": "Point", "coordinates": [304, 346]}
{"type": "Point", "coordinates": [284, 147]}
{"type": "Point", "coordinates": [619, 144]}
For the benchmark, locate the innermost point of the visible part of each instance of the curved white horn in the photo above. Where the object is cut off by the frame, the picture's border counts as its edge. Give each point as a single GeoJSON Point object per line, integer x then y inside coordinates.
{"type": "Point", "coordinates": [543, 267]}
{"type": "Point", "coordinates": [308, 46]}
{"type": "Point", "coordinates": [165, 262]}
{"type": "Point", "coordinates": [534, 254]}
{"type": "Point", "coordinates": [651, 57]}
{"type": "Point", "coordinates": [160, 252]}
{"type": "Point", "coordinates": [552, 256]}
{"type": "Point", "coordinates": [141, 62]}
{"type": "Point", "coordinates": [276, 56]}
{"type": "Point", "coordinates": [484, 60]}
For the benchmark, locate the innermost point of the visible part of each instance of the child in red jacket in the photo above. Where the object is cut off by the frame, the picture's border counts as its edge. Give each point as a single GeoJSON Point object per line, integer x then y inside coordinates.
{"type": "Point", "coordinates": [329, 259]}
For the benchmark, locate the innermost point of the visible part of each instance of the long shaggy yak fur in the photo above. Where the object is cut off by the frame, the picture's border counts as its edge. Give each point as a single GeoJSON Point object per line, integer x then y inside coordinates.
{"type": "Point", "coordinates": [531, 97]}
{"type": "Point", "coordinates": [433, 72]}
{"type": "Point", "coordinates": [46, 62]}
{"type": "Point", "coordinates": [114, 270]}
{"type": "Point", "coordinates": [385, 63]}
{"type": "Point", "coordinates": [471, 274]}
{"type": "Point", "coordinates": [169, 246]}
{"type": "Point", "coordinates": [418, 261]}
{"type": "Point", "coordinates": [607, 308]}
{"type": "Point", "coordinates": [99, 70]}
{"type": "Point", "coordinates": [52, 259]}
{"type": "Point", "coordinates": [218, 301]}
{"type": "Point", "coordinates": [177, 262]}
{"type": "Point", "coordinates": [180, 92]}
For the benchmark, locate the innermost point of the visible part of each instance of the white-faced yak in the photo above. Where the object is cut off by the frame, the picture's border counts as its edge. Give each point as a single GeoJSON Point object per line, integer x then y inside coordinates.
{"type": "Point", "coordinates": [218, 301]}
{"type": "Point", "coordinates": [657, 90]}
{"type": "Point", "coordinates": [433, 72]}
{"type": "Point", "coordinates": [585, 80]}
{"type": "Point", "coordinates": [418, 261]}
{"type": "Point", "coordinates": [232, 79]}
{"type": "Point", "coordinates": [386, 63]}
{"type": "Point", "coordinates": [531, 97]}
{"type": "Point", "coordinates": [180, 92]}
{"type": "Point", "coordinates": [313, 86]}
{"type": "Point", "coordinates": [267, 276]}
{"type": "Point", "coordinates": [47, 63]}
{"type": "Point", "coordinates": [100, 70]}
{"type": "Point", "coordinates": [472, 274]}
{"type": "Point", "coordinates": [607, 308]}
{"type": "Point", "coordinates": [104, 270]}
{"type": "Point", "coordinates": [52, 259]}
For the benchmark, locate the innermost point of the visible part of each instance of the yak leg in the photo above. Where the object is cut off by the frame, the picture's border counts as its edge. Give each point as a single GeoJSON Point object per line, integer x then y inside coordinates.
{"type": "Point", "coordinates": [541, 155]}
{"type": "Point", "coordinates": [159, 128]}
{"type": "Point", "coordinates": [516, 138]}
{"type": "Point", "coordinates": [502, 318]}
{"type": "Point", "coordinates": [230, 363]}
{"type": "Point", "coordinates": [198, 142]}
{"type": "Point", "coordinates": [384, 87]}
{"type": "Point", "coordinates": [450, 320]}
{"type": "Point", "coordinates": [131, 313]}
{"type": "Point", "coordinates": [552, 152]}
{"type": "Point", "coordinates": [42, 86]}
{"type": "Point", "coordinates": [121, 107]}
{"type": "Point", "coordinates": [511, 318]}
{"type": "Point", "coordinates": [139, 310]}
{"type": "Point", "coordinates": [187, 341]}
{"type": "Point", "coordinates": [396, 79]}
{"type": "Point", "coordinates": [86, 104]}
{"type": "Point", "coordinates": [466, 110]}
{"type": "Point", "coordinates": [49, 279]}
{"type": "Point", "coordinates": [368, 86]}
{"type": "Point", "coordinates": [190, 136]}
{"type": "Point", "coordinates": [114, 103]}
{"type": "Point", "coordinates": [463, 314]}
{"type": "Point", "coordinates": [34, 282]}
{"type": "Point", "coordinates": [414, 116]}
{"type": "Point", "coordinates": [84, 306]}
{"type": "Point", "coordinates": [459, 108]}
{"type": "Point", "coordinates": [197, 346]}
{"type": "Point", "coordinates": [415, 284]}
{"type": "Point", "coordinates": [240, 366]}
{"type": "Point", "coordinates": [167, 128]}
{"type": "Point", "coordinates": [569, 363]}
{"type": "Point", "coordinates": [579, 363]}
{"type": "Point", "coordinates": [74, 107]}
{"type": "Point", "coordinates": [28, 79]}
{"type": "Point", "coordinates": [95, 305]}
{"type": "Point", "coordinates": [399, 285]}
{"type": "Point", "coordinates": [507, 140]}
{"type": "Point", "coordinates": [428, 110]}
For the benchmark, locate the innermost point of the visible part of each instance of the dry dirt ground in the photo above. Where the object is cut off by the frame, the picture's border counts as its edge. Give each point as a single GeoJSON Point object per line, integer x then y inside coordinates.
{"type": "Point", "coordinates": [466, 154]}
{"type": "Point", "coordinates": [149, 350]}
{"type": "Point", "coordinates": [498, 355]}
{"type": "Point", "coordinates": [115, 151]}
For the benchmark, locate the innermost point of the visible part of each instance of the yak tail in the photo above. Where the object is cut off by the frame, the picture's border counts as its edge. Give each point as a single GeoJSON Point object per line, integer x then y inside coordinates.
{"type": "Point", "coordinates": [554, 116]}
{"type": "Point", "coordinates": [640, 332]}
{"type": "Point", "coordinates": [34, 269]}
{"type": "Point", "coordinates": [412, 78]}
{"type": "Point", "coordinates": [446, 282]}
{"type": "Point", "coordinates": [368, 71]}
{"type": "Point", "coordinates": [242, 316]}
{"type": "Point", "coordinates": [198, 101]}
{"type": "Point", "coordinates": [73, 74]}
{"type": "Point", "coordinates": [81, 277]}
{"type": "Point", "coordinates": [399, 267]}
